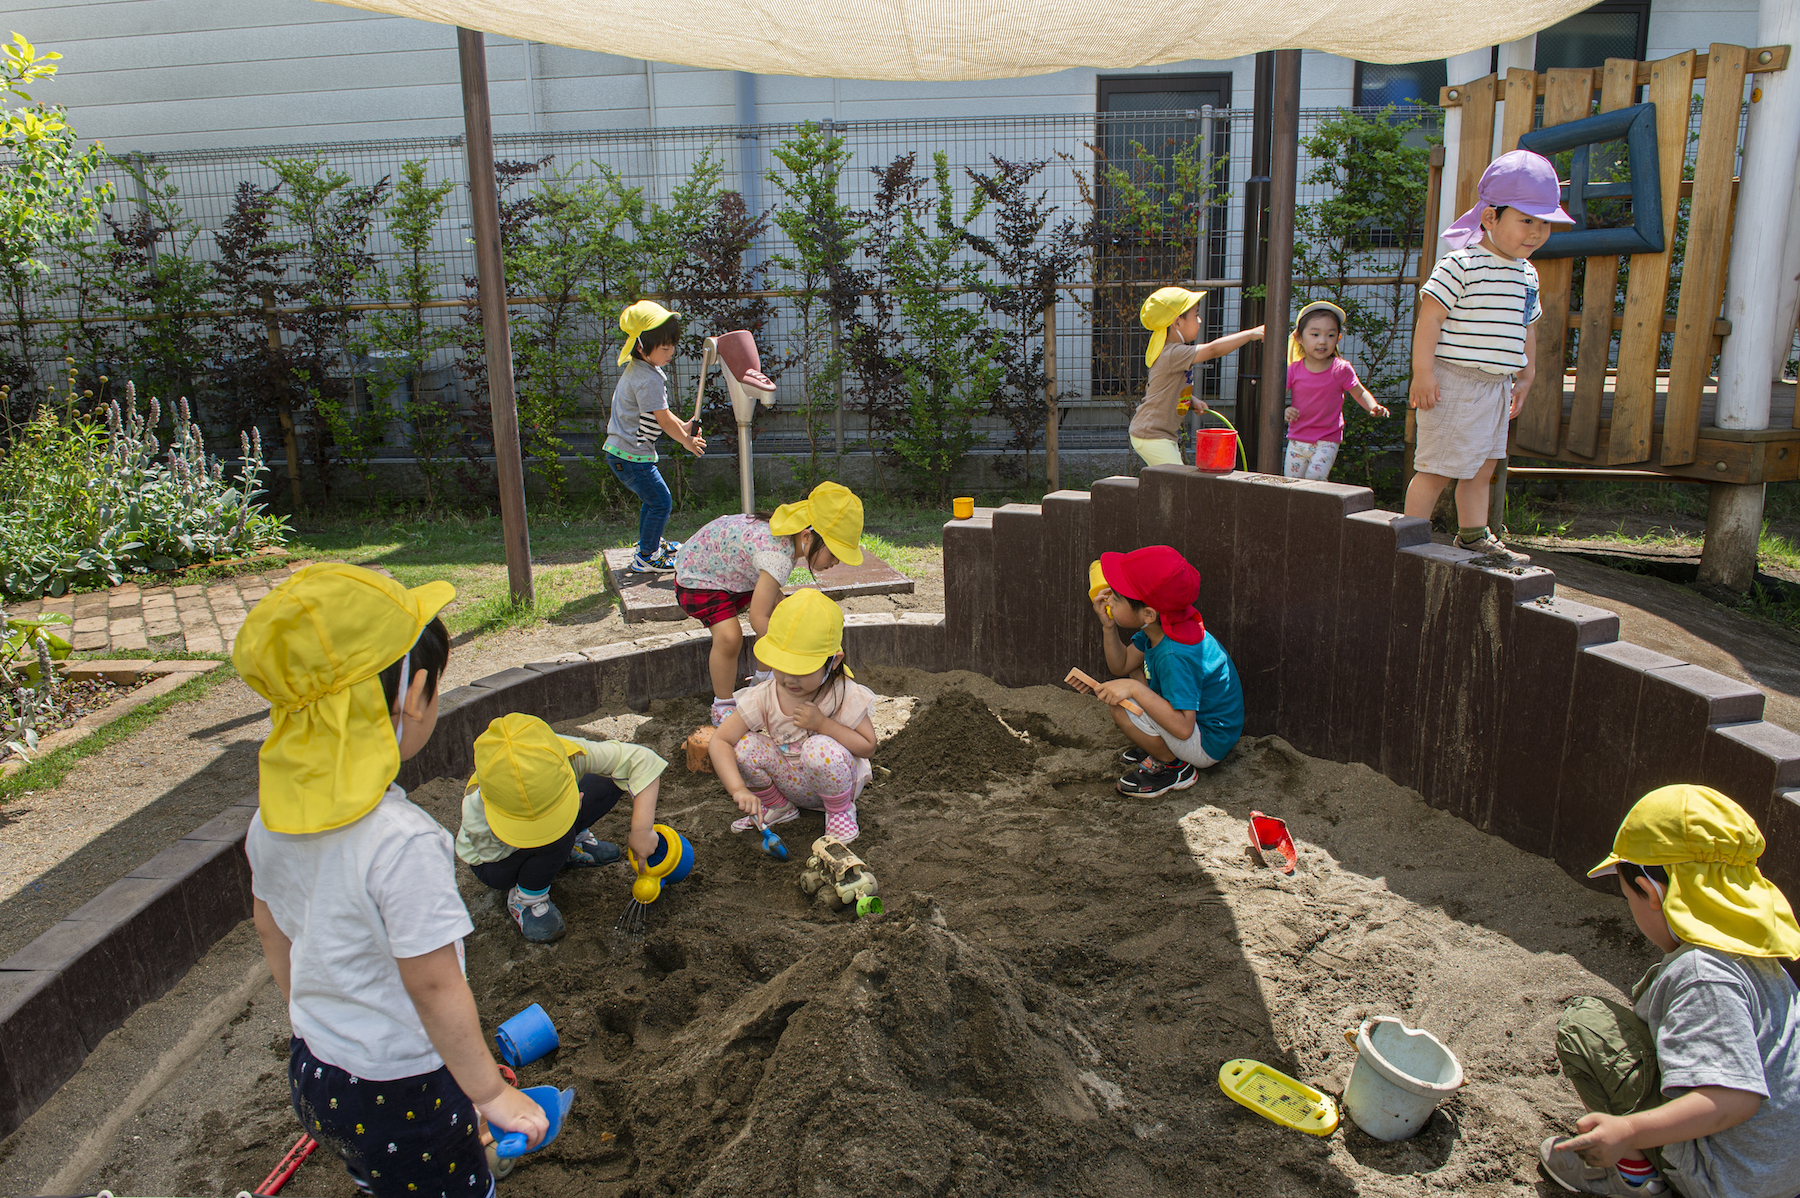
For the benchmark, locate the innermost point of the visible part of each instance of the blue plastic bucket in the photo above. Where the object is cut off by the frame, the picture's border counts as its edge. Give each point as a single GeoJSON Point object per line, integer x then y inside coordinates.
{"type": "Point", "coordinates": [526, 1037]}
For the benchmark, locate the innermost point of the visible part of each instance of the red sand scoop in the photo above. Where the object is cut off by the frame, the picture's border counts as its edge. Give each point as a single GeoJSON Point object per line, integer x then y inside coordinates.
{"type": "Point", "coordinates": [1269, 837]}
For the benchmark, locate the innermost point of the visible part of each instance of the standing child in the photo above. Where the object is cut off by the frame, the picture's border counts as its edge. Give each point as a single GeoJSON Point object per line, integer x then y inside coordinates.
{"type": "Point", "coordinates": [1474, 354]}
{"type": "Point", "coordinates": [1193, 706]}
{"type": "Point", "coordinates": [739, 562]}
{"type": "Point", "coordinates": [355, 887]}
{"type": "Point", "coordinates": [1699, 1081]}
{"type": "Point", "coordinates": [1172, 315]}
{"type": "Point", "coordinates": [530, 805]}
{"type": "Point", "coordinates": [640, 412]}
{"type": "Point", "coordinates": [804, 737]}
{"type": "Point", "coordinates": [1317, 379]}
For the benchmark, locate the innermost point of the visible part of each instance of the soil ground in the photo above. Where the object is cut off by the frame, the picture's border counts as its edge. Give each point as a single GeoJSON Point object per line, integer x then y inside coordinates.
{"type": "Point", "coordinates": [1043, 1009]}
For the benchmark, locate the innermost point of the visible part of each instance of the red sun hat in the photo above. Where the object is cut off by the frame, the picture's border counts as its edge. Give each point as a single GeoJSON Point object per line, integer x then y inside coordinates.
{"type": "Point", "coordinates": [1159, 576]}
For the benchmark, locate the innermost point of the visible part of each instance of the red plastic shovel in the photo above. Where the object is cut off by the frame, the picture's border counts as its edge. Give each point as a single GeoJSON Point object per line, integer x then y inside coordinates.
{"type": "Point", "coordinates": [1269, 837]}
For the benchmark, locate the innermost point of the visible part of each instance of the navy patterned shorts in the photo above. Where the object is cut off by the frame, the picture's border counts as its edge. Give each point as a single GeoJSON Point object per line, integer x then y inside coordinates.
{"type": "Point", "coordinates": [414, 1137]}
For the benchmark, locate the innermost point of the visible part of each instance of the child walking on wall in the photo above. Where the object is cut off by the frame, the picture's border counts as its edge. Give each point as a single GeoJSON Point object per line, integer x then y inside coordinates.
{"type": "Point", "coordinates": [640, 412]}
{"type": "Point", "coordinates": [1172, 314]}
{"type": "Point", "coordinates": [355, 887]}
{"type": "Point", "coordinates": [804, 737]}
{"type": "Point", "coordinates": [1694, 1088]}
{"type": "Point", "coordinates": [739, 562]}
{"type": "Point", "coordinates": [530, 805]}
{"type": "Point", "coordinates": [1474, 354]}
{"type": "Point", "coordinates": [1317, 378]}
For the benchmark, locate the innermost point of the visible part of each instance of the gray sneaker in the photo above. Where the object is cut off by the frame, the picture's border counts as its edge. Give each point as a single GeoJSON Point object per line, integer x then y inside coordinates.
{"type": "Point", "coordinates": [1575, 1175]}
{"type": "Point", "coordinates": [1492, 546]}
{"type": "Point", "coordinates": [540, 921]}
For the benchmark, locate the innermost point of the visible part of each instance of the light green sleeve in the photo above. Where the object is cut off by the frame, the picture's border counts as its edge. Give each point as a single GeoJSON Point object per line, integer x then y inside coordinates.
{"type": "Point", "coordinates": [475, 841]}
{"type": "Point", "coordinates": [632, 766]}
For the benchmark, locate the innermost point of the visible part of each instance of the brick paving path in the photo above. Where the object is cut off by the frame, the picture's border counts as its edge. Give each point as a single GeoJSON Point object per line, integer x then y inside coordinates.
{"type": "Point", "coordinates": [195, 618]}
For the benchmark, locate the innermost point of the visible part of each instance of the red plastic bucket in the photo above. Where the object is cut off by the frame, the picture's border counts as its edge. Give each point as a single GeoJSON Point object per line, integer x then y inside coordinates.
{"type": "Point", "coordinates": [1215, 450]}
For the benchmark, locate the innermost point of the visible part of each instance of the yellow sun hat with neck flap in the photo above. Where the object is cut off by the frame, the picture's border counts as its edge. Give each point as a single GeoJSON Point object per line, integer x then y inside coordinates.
{"type": "Point", "coordinates": [1162, 309]}
{"type": "Point", "coordinates": [528, 789]}
{"type": "Point", "coordinates": [806, 630]}
{"type": "Point", "coordinates": [315, 647]}
{"type": "Point", "coordinates": [1717, 896]}
{"type": "Point", "coordinates": [639, 319]}
{"type": "Point", "coordinates": [832, 511]}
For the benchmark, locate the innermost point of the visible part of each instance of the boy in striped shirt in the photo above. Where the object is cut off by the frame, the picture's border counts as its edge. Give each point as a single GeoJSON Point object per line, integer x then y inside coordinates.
{"type": "Point", "coordinates": [1474, 355]}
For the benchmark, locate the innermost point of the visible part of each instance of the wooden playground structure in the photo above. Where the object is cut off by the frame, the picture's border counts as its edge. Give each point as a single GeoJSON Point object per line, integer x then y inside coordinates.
{"type": "Point", "coordinates": [1612, 412]}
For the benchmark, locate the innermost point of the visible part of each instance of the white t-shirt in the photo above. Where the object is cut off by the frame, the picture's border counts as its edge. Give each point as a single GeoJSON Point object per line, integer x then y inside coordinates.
{"type": "Point", "coordinates": [1492, 301]}
{"type": "Point", "coordinates": [353, 900]}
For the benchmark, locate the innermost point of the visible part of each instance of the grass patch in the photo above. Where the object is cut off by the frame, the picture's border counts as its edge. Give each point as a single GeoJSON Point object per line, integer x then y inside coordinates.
{"type": "Point", "coordinates": [48, 771]}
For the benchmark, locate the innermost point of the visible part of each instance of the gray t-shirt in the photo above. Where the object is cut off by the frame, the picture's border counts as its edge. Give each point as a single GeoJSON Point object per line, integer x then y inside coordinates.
{"type": "Point", "coordinates": [632, 430]}
{"type": "Point", "coordinates": [1724, 1020]}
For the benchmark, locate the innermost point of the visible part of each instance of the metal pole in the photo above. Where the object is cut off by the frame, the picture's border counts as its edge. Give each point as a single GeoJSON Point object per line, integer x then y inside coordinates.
{"type": "Point", "coordinates": [1052, 455]}
{"type": "Point", "coordinates": [1284, 165]}
{"type": "Point", "coordinates": [1255, 254]}
{"type": "Point", "coordinates": [746, 469]}
{"type": "Point", "coordinates": [490, 269]}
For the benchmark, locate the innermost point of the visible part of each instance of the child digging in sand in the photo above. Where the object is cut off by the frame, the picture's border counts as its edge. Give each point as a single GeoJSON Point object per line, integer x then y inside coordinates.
{"type": "Point", "coordinates": [355, 887]}
{"type": "Point", "coordinates": [531, 803]}
{"type": "Point", "coordinates": [1193, 706]}
{"type": "Point", "coordinates": [804, 737]}
{"type": "Point", "coordinates": [1696, 1088]}
{"type": "Point", "coordinates": [739, 562]}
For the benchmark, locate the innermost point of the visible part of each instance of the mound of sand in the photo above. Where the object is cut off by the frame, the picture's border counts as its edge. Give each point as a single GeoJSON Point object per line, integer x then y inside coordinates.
{"type": "Point", "coordinates": [955, 743]}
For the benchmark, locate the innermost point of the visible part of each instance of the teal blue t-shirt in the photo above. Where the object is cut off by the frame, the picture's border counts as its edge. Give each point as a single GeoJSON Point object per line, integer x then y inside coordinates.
{"type": "Point", "coordinates": [1198, 678]}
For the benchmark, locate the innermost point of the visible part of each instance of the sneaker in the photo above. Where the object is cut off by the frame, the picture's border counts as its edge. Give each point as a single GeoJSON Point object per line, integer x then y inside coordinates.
{"type": "Point", "coordinates": [1493, 546]}
{"type": "Point", "coordinates": [1575, 1175]}
{"type": "Point", "coordinates": [539, 920]}
{"type": "Point", "coordinates": [773, 813]}
{"type": "Point", "coordinates": [1134, 755]}
{"type": "Point", "coordinates": [841, 825]}
{"type": "Point", "coordinates": [669, 549]}
{"type": "Point", "coordinates": [590, 850]}
{"type": "Point", "coordinates": [1154, 778]}
{"type": "Point", "coordinates": [663, 561]}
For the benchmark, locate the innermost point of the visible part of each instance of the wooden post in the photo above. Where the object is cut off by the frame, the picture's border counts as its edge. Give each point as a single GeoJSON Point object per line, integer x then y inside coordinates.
{"type": "Point", "coordinates": [1256, 252]}
{"type": "Point", "coordinates": [490, 268]}
{"type": "Point", "coordinates": [1284, 164]}
{"type": "Point", "coordinates": [1052, 457]}
{"type": "Point", "coordinates": [272, 324]}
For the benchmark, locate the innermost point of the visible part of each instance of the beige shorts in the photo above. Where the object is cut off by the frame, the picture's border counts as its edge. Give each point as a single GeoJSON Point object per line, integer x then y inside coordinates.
{"type": "Point", "coordinates": [1467, 427]}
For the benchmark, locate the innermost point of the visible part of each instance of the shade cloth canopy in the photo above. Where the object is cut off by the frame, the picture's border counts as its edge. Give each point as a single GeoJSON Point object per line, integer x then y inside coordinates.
{"type": "Point", "coordinates": [988, 39]}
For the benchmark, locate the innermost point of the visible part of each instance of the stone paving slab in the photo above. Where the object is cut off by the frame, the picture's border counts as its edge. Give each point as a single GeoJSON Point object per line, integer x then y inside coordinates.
{"type": "Point", "coordinates": [652, 596]}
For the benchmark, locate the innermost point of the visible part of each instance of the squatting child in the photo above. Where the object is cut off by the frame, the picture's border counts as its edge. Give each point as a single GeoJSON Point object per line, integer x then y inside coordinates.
{"type": "Point", "coordinates": [532, 803]}
{"type": "Point", "coordinates": [640, 412]}
{"type": "Point", "coordinates": [1695, 1088]}
{"type": "Point", "coordinates": [355, 887]}
{"type": "Point", "coordinates": [1474, 354]}
{"type": "Point", "coordinates": [739, 562]}
{"type": "Point", "coordinates": [1172, 314]}
{"type": "Point", "coordinates": [1317, 378]}
{"type": "Point", "coordinates": [1171, 667]}
{"type": "Point", "coordinates": [804, 737]}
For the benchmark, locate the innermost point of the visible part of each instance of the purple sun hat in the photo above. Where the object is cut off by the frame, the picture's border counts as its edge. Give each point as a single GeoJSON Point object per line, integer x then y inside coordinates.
{"type": "Point", "coordinates": [1517, 179]}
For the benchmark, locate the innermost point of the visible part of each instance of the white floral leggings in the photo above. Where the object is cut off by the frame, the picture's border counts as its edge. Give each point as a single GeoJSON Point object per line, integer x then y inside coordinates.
{"type": "Point", "coordinates": [819, 774]}
{"type": "Point", "coordinates": [1310, 459]}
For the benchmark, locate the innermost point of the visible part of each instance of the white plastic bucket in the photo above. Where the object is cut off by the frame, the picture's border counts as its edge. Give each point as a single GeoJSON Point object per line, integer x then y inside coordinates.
{"type": "Point", "coordinates": [1399, 1078]}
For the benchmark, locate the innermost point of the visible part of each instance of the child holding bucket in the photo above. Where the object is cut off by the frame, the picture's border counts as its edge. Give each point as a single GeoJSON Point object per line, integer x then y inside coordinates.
{"type": "Point", "coordinates": [640, 413]}
{"type": "Point", "coordinates": [804, 737]}
{"type": "Point", "coordinates": [739, 562]}
{"type": "Point", "coordinates": [1317, 380]}
{"type": "Point", "coordinates": [1172, 314]}
{"type": "Point", "coordinates": [1696, 1087]}
{"type": "Point", "coordinates": [530, 805]}
{"type": "Point", "coordinates": [1474, 353]}
{"type": "Point", "coordinates": [1192, 703]}
{"type": "Point", "coordinates": [354, 887]}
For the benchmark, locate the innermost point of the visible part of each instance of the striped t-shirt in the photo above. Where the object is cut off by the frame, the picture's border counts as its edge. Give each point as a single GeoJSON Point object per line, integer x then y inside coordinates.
{"type": "Point", "coordinates": [1491, 302]}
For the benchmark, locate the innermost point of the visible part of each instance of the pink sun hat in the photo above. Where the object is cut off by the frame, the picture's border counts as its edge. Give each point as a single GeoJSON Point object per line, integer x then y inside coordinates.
{"type": "Point", "coordinates": [1517, 179]}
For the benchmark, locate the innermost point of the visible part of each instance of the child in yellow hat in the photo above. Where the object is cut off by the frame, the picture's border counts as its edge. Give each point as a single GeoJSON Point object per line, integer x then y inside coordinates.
{"type": "Point", "coordinates": [355, 887]}
{"type": "Point", "coordinates": [739, 562]}
{"type": "Point", "coordinates": [640, 413]}
{"type": "Point", "coordinates": [1697, 1086]}
{"type": "Point", "coordinates": [530, 805]}
{"type": "Point", "coordinates": [1318, 377]}
{"type": "Point", "coordinates": [1172, 314]}
{"type": "Point", "coordinates": [804, 737]}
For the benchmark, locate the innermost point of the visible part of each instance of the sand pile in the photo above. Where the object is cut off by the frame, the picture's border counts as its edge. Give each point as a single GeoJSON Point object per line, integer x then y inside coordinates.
{"type": "Point", "coordinates": [955, 743]}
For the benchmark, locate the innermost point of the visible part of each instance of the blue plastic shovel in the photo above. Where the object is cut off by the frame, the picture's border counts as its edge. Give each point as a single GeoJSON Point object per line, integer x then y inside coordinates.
{"type": "Point", "coordinates": [556, 1104]}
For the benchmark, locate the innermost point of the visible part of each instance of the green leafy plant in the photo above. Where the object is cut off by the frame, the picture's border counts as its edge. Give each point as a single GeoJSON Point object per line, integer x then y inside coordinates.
{"type": "Point", "coordinates": [877, 337]}
{"type": "Point", "coordinates": [155, 278]}
{"type": "Point", "coordinates": [952, 370]}
{"type": "Point", "coordinates": [28, 648]}
{"type": "Point", "coordinates": [824, 232]}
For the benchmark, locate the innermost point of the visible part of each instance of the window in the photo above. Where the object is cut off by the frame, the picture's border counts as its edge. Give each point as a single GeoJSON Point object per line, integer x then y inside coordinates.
{"type": "Point", "coordinates": [1403, 84]}
{"type": "Point", "coordinates": [1614, 29]}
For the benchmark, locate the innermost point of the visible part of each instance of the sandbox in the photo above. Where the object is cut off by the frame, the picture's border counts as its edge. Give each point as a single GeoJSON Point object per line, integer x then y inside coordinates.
{"type": "Point", "coordinates": [1045, 1005]}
